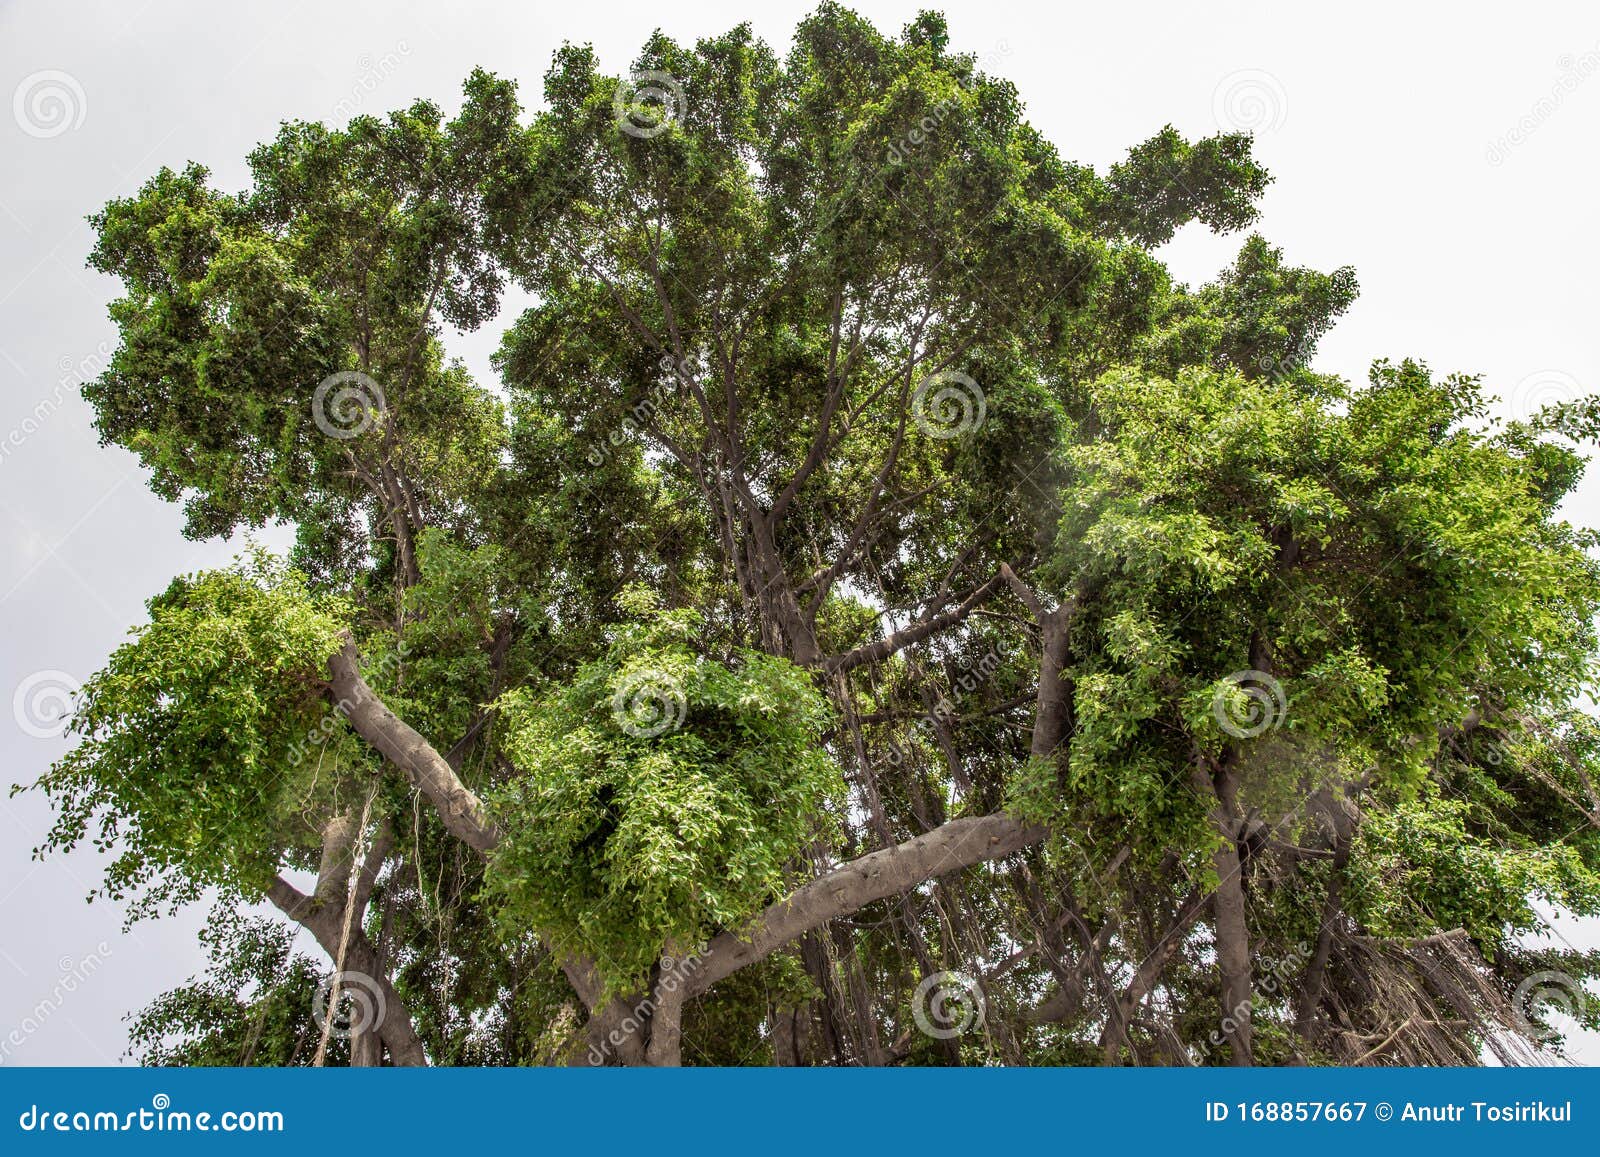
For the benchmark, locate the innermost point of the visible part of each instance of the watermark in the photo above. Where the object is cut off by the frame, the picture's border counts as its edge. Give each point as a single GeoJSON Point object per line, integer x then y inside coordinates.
{"type": "Point", "coordinates": [48, 103]}
{"type": "Point", "coordinates": [673, 974]}
{"type": "Point", "coordinates": [1275, 367]}
{"type": "Point", "coordinates": [945, 709]}
{"type": "Point", "coordinates": [648, 103]}
{"type": "Point", "coordinates": [43, 703]}
{"type": "Point", "coordinates": [1572, 72]}
{"type": "Point", "coordinates": [948, 404]}
{"type": "Point", "coordinates": [347, 404]}
{"type": "Point", "coordinates": [1540, 390]}
{"type": "Point", "coordinates": [640, 414]}
{"type": "Point", "coordinates": [920, 133]}
{"type": "Point", "coordinates": [73, 974]}
{"type": "Point", "coordinates": [329, 723]}
{"type": "Point", "coordinates": [648, 703]}
{"type": "Point", "coordinates": [1250, 100]}
{"type": "Point", "coordinates": [1540, 995]}
{"type": "Point", "coordinates": [348, 1003]}
{"type": "Point", "coordinates": [160, 1117]}
{"type": "Point", "coordinates": [1272, 976]}
{"type": "Point", "coordinates": [1248, 703]}
{"type": "Point", "coordinates": [948, 1004]}
{"type": "Point", "coordinates": [73, 376]}
{"type": "Point", "coordinates": [373, 73]}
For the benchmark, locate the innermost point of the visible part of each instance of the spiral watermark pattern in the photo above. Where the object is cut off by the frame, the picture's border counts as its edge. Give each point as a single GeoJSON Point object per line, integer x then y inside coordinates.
{"type": "Point", "coordinates": [358, 1008]}
{"type": "Point", "coordinates": [948, 404]}
{"type": "Point", "coordinates": [1262, 709]}
{"type": "Point", "coordinates": [43, 703]}
{"type": "Point", "coordinates": [649, 703]}
{"type": "Point", "coordinates": [1540, 995]}
{"type": "Point", "coordinates": [1541, 389]}
{"type": "Point", "coordinates": [948, 1004]}
{"type": "Point", "coordinates": [75, 973]}
{"type": "Point", "coordinates": [648, 103]}
{"type": "Point", "coordinates": [1250, 100]}
{"type": "Point", "coordinates": [49, 103]}
{"type": "Point", "coordinates": [373, 72]}
{"type": "Point", "coordinates": [1572, 71]}
{"type": "Point", "coordinates": [347, 404]}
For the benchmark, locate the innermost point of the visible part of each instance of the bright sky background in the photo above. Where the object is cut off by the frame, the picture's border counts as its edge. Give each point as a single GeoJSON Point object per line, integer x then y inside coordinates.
{"type": "Point", "coordinates": [1449, 160]}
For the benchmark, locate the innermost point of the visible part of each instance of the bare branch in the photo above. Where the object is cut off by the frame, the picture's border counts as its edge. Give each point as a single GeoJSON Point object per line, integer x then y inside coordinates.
{"type": "Point", "coordinates": [326, 923]}
{"type": "Point", "coordinates": [461, 810]}
{"type": "Point", "coordinates": [915, 633]}
{"type": "Point", "coordinates": [947, 848]}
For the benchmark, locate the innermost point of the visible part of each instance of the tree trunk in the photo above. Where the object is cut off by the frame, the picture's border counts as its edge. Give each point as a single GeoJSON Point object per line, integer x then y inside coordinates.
{"type": "Point", "coordinates": [666, 1020]}
{"type": "Point", "coordinates": [326, 924]}
{"type": "Point", "coordinates": [1228, 912]}
{"type": "Point", "coordinates": [1317, 967]}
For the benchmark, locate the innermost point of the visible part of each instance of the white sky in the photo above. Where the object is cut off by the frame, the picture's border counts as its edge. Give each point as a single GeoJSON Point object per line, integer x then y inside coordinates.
{"type": "Point", "coordinates": [1448, 159]}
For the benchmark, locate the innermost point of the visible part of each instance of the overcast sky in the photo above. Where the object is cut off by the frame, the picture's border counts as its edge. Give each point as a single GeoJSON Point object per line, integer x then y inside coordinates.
{"type": "Point", "coordinates": [1452, 162]}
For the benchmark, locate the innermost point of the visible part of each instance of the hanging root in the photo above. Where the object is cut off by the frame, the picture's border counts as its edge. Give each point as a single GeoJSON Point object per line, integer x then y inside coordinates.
{"type": "Point", "coordinates": [1428, 1001]}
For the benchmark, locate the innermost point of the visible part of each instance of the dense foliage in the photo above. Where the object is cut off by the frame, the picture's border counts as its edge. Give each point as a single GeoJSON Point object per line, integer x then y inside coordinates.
{"type": "Point", "coordinates": [183, 768]}
{"type": "Point", "coordinates": [880, 616]}
{"type": "Point", "coordinates": [661, 795]}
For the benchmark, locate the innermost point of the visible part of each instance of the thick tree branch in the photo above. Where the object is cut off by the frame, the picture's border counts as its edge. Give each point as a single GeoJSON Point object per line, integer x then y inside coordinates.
{"type": "Point", "coordinates": [457, 806]}
{"type": "Point", "coordinates": [948, 848]}
{"type": "Point", "coordinates": [1228, 909]}
{"type": "Point", "coordinates": [1149, 972]}
{"type": "Point", "coordinates": [325, 922]}
{"type": "Point", "coordinates": [666, 1022]}
{"type": "Point", "coordinates": [899, 640]}
{"type": "Point", "coordinates": [461, 810]}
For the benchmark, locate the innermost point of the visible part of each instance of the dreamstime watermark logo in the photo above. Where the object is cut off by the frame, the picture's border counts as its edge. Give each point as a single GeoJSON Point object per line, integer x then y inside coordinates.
{"type": "Point", "coordinates": [373, 73]}
{"type": "Point", "coordinates": [1275, 367]}
{"type": "Point", "coordinates": [345, 405]}
{"type": "Point", "coordinates": [49, 103]}
{"type": "Point", "coordinates": [1271, 976]}
{"type": "Point", "coordinates": [328, 725]}
{"type": "Point", "coordinates": [919, 133]}
{"type": "Point", "coordinates": [1573, 71]}
{"type": "Point", "coordinates": [72, 974]}
{"type": "Point", "coordinates": [1540, 995]}
{"type": "Point", "coordinates": [1248, 703]}
{"type": "Point", "coordinates": [648, 103]}
{"type": "Point", "coordinates": [73, 375]}
{"type": "Point", "coordinates": [641, 413]}
{"type": "Point", "coordinates": [945, 709]}
{"type": "Point", "coordinates": [1249, 100]}
{"type": "Point", "coordinates": [948, 1004]}
{"type": "Point", "coordinates": [160, 1117]}
{"type": "Point", "coordinates": [1539, 390]}
{"type": "Point", "coordinates": [674, 972]}
{"type": "Point", "coordinates": [43, 703]}
{"type": "Point", "coordinates": [948, 404]}
{"type": "Point", "coordinates": [649, 703]}
{"type": "Point", "coordinates": [348, 1003]}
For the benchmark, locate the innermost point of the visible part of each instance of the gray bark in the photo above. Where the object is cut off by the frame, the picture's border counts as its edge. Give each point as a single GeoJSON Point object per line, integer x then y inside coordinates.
{"type": "Point", "coordinates": [948, 848]}
{"type": "Point", "coordinates": [325, 922]}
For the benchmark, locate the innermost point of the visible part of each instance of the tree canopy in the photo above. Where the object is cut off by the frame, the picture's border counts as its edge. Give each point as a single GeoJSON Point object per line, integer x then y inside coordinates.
{"type": "Point", "coordinates": [879, 616]}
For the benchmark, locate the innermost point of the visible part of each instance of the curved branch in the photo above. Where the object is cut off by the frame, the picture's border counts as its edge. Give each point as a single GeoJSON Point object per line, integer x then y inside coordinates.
{"type": "Point", "coordinates": [876, 876]}
{"type": "Point", "coordinates": [457, 806]}
{"type": "Point", "coordinates": [461, 810]}
{"type": "Point", "coordinates": [325, 923]}
{"type": "Point", "coordinates": [899, 640]}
